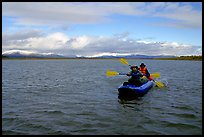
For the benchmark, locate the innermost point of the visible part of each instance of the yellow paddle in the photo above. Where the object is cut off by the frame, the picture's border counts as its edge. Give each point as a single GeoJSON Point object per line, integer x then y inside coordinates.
{"type": "Point", "coordinates": [113, 73]}
{"type": "Point", "coordinates": [159, 84]}
{"type": "Point", "coordinates": [122, 60]}
{"type": "Point", "coordinates": [154, 75]}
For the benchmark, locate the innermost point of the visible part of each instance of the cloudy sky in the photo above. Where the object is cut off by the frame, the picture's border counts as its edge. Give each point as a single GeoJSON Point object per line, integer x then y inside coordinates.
{"type": "Point", "coordinates": [103, 28]}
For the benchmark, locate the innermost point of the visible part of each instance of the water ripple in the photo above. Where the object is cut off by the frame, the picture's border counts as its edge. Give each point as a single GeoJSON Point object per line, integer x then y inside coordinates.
{"type": "Point", "coordinates": [57, 97]}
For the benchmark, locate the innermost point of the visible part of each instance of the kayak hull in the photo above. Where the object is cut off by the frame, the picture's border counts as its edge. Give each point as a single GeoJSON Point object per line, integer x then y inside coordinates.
{"type": "Point", "coordinates": [127, 89]}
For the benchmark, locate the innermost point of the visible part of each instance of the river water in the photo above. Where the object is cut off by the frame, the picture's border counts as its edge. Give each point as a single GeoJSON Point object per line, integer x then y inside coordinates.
{"type": "Point", "coordinates": [75, 97]}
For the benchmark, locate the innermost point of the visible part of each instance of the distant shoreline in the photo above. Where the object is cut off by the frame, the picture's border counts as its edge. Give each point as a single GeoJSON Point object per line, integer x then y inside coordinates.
{"type": "Point", "coordinates": [196, 58]}
{"type": "Point", "coordinates": [21, 57]}
{"type": "Point", "coordinates": [199, 58]}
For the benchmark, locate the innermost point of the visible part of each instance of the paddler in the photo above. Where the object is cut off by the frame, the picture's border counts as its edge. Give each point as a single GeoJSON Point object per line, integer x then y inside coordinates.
{"type": "Point", "coordinates": [144, 71]}
{"type": "Point", "coordinates": [137, 78]}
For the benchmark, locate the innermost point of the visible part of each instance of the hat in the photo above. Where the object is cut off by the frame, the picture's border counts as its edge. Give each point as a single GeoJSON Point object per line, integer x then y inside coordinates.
{"type": "Point", "coordinates": [142, 64]}
{"type": "Point", "coordinates": [134, 66]}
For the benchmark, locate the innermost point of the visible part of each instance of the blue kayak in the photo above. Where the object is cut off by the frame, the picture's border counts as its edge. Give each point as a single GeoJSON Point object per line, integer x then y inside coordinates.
{"type": "Point", "coordinates": [127, 89]}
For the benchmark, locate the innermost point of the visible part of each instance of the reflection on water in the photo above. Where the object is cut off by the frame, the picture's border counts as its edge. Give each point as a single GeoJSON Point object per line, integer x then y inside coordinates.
{"type": "Point", "coordinates": [126, 100]}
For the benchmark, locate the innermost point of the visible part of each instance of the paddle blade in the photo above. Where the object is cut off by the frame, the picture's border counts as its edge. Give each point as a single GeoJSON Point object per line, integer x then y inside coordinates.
{"type": "Point", "coordinates": [111, 73]}
{"type": "Point", "coordinates": [159, 84]}
{"type": "Point", "coordinates": [122, 60]}
{"type": "Point", "coordinates": [155, 75]}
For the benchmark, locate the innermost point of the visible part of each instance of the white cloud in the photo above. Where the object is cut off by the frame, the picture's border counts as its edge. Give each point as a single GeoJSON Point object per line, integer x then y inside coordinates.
{"type": "Point", "coordinates": [21, 51]}
{"type": "Point", "coordinates": [181, 15]}
{"type": "Point", "coordinates": [48, 13]}
{"type": "Point", "coordinates": [79, 42]}
{"type": "Point", "coordinates": [60, 43]}
{"type": "Point", "coordinates": [43, 43]}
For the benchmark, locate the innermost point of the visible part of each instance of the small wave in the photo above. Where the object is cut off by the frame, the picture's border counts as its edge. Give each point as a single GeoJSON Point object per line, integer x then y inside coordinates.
{"type": "Point", "coordinates": [10, 132]}
{"type": "Point", "coordinates": [87, 114]}
{"type": "Point", "coordinates": [191, 116]}
{"type": "Point", "coordinates": [182, 107]}
{"type": "Point", "coordinates": [53, 111]}
{"type": "Point", "coordinates": [20, 126]}
{"type": "Point", "coordinates": [182, 126]}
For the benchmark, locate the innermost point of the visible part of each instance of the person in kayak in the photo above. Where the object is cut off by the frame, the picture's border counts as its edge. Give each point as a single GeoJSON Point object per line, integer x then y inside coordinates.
{"type": "Point", "coordinates": [144, 71]}
{"type": "Point", "coordinates": [136, 76]}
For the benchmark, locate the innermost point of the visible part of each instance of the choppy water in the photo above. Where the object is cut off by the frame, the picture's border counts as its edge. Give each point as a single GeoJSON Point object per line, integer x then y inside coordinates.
{"type": "Point", "coordinates": [75, 97]}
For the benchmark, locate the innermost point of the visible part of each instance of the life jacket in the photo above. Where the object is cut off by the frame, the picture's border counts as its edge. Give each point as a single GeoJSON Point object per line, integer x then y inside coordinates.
{"type": "Point", "coordinates": [143, 70]}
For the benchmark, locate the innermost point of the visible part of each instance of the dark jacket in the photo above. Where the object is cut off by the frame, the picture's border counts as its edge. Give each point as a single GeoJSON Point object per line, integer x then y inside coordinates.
{"type": "Point", "coordinates": [135, 74]}
{"type": "Point", "coordinates": [136, 77]}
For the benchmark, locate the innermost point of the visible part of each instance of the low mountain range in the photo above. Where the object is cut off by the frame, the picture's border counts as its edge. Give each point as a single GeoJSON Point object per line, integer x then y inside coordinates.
{"type": "Point", "coordinates": [20, 54]}
{"type": "Point", "coordinates": [138, 56]}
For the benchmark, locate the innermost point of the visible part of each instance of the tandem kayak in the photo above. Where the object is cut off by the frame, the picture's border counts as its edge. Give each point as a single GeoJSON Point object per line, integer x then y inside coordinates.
{"type": "Point", "coordinates": [127, 89]}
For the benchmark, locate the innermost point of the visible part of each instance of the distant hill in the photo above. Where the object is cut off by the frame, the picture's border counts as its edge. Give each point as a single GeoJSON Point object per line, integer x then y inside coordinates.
{"type": "Point", "coordinates": [27, 54]}
{"type": "Point", "coordinates": [20, 54]}
{"type": "Point", "coordinates": [136, 56]}
{"type": "Point", "coordinates": [192, 57]}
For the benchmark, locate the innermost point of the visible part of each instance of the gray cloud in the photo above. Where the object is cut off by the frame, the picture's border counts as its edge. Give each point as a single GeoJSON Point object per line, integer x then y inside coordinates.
{"type": "Point", "coordinates": [20, 38]}
{"type": "Point", "coordinates": [24, 34]}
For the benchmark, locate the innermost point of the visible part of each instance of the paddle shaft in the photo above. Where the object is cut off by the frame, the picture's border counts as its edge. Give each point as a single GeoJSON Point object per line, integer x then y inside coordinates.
{"type": "Point", "coordinates": [122, 73]}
